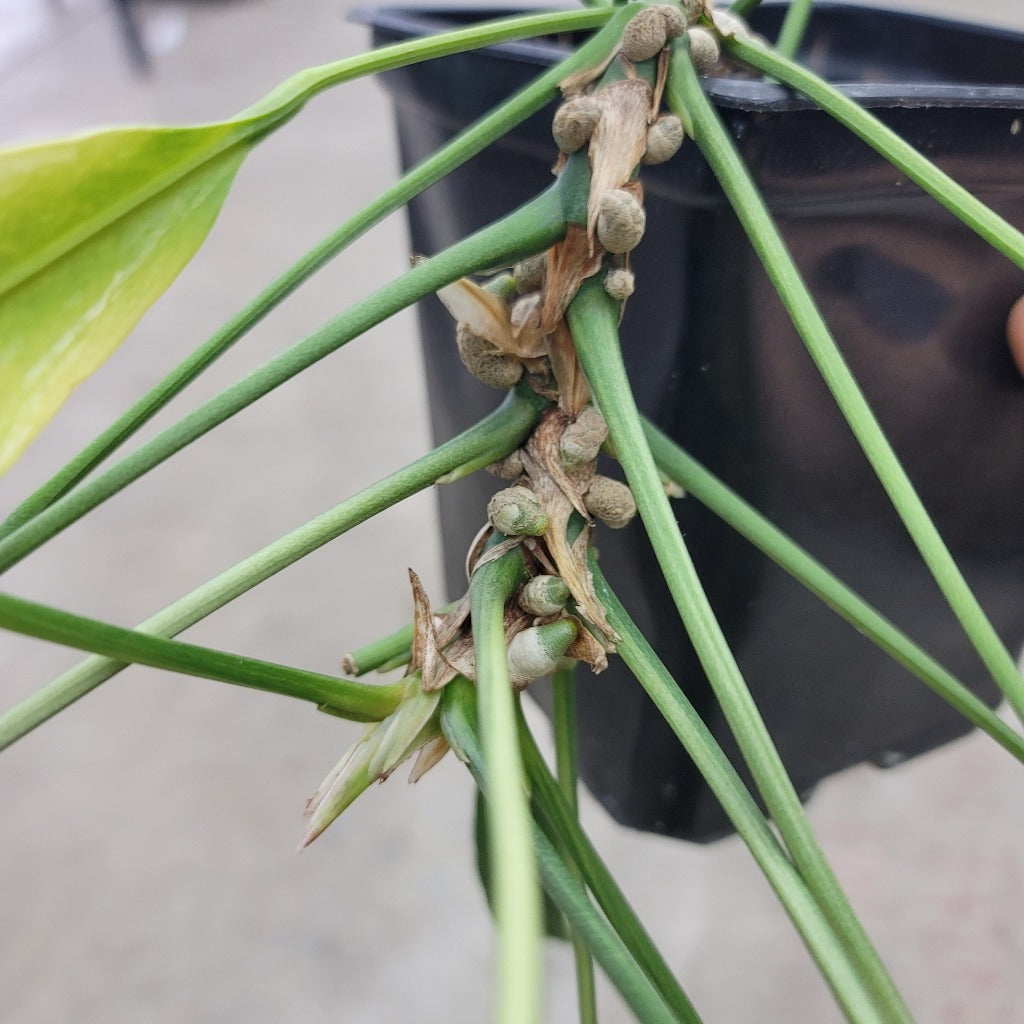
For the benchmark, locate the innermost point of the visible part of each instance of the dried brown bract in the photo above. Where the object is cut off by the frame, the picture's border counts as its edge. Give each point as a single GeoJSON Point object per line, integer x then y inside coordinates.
{"type": "Point", "coordinates": [619, 140]}
{"type": "Point", "coordinates": [561, 494]}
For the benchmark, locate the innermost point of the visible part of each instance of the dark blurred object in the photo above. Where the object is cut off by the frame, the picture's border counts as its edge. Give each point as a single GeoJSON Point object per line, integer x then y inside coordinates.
{"type": "Point", "coordinates": [126, 14]}
{"type": "Point", "coordinates": [917, 303]}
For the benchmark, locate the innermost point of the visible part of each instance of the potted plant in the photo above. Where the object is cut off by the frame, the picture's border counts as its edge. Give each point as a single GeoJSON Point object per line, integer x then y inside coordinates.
{"type": "Point", "coordinates": [807, 889]}
{"type": "Point", "coordinates": [716, 363]}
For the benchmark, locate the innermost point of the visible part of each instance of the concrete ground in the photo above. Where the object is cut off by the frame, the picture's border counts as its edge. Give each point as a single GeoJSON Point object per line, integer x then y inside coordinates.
{"type": "Point", "coordinates": [147, 865]}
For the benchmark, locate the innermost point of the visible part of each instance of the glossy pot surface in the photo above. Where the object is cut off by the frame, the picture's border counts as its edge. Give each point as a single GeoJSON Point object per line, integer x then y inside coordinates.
{"type": "Point", "coordinates": [918, 306]}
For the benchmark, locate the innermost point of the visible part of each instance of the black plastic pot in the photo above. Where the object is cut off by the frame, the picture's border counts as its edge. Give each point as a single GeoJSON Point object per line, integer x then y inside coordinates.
{"type": "Point", "coordinates": [917, 304]}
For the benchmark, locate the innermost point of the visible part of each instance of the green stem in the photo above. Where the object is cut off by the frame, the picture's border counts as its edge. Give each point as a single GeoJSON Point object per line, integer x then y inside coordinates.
{"type": "Point", "coordinates": [828, 952]}
{"type": "Point", "coordinates": [291, 95]}
{"type": "Point", "coordinates": [699, 483]}
{"type": "Point", "coordinates": [563, 718]}
{"type": "Point", "coordinates": [458, 721]}
{"type": "Point", "coordinates": [357, 701]}
{"type": "Point", "coordinates": [560, 817]}
{"type": "Point", "coordinates": [280, 105]}
{"type": "Point", "coordinates": [570, 897]}
{"type": "Point", "coordinates": [501, 432]}
{"type": "Point", "coordinates": [744, 7]}
{"type": "Point", "coordinates": [794, 25]}
{"type": "Point", "coordinates": [513, 866]}
{"type": "Point", "coordinates": [398, 661]}
{"type": "Point", "coordinates": [684, 91]}
{"type": "Point", "coordinates": [381, 652]}
{"type": "Point", "coordinates": [464, 146]}
{"type": "Point", "coordinates": [378, 655]}
{"type": "Point", "coordinates": [593, 319]}
{"type": "Point", "coordinates": [529, 229]}
{"type": "Point", "coordinates": [974, 213]}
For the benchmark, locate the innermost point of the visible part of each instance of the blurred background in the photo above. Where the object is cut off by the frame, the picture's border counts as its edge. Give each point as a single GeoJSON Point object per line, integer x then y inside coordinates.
{"type": "Point", "coordinates": [147, 835]}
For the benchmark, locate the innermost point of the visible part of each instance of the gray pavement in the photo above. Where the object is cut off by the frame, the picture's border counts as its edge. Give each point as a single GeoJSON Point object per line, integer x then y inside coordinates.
{"type": "Point", "coordinates": [147, 871]}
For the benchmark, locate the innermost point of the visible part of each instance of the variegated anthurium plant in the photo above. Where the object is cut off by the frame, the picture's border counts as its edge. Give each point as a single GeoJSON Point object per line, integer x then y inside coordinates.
{"type": "Point", "coordinates": [79, 264]}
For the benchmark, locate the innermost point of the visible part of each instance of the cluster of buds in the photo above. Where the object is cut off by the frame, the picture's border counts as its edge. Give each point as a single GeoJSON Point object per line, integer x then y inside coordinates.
{"type": "Point", "coordinates": [518, 511]}
{"type": "Point", "coordinates": [540, 634]}
{"type": "Point", "coordinates": [613, 121]}
{"type": "Point", "coordinates": [515, 324]}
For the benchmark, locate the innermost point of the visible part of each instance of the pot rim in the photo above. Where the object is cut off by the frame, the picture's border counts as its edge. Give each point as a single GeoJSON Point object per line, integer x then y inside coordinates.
{"type": "Point", "coordinates": [746, 94]}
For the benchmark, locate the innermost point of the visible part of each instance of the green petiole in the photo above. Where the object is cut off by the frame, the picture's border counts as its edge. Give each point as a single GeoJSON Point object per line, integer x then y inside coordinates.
{"type": "Point", "coordinates": [458, 721]}
{"type": "Point", "coordinates": [463, 147]}
{"type": "Point", "coordinates": [796, 894]}
{"type": "Point", "coordinates": [357, 701]}
{"type": "Point", "coordinates": [975, 214]}
{"type": "Point", "coordinates": [794, 25]}
{"type": "Point", "coordinates": [559, 817]}
{"type": "Point", "coordinates": [527, 230]}
{"type": "Point", "coordinates": [710, 491]}
{"type": "Point", "coordinates": [684, 92]}
{"type": "Point", "coordinates": [513, 866]}
{"type": "Point", "coordinates": [593, 319]}
{"type": "Point", "coordinates": [501, 431]}
{"type": "Point", "coordinates": [563, 719]}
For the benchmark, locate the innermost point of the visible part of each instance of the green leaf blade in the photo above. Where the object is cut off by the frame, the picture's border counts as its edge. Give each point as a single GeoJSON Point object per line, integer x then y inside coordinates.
{"type": "Point", "coordinates": [59, 323]}
{"type": "Point", "coordinates": [77, 214]}
{"type": "Point", "coordinates": [55, 196]}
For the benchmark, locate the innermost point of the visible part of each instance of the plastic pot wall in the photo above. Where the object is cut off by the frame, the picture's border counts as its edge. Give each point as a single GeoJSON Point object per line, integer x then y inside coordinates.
{"type": "Point", "coordinates": [918, 306]}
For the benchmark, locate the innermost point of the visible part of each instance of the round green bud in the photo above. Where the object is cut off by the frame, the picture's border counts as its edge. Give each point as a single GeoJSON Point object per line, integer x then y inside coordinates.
{"type": "Point", "coordinates": [544, 595]}
{"type": "Point", "coordinates": [517, 512]}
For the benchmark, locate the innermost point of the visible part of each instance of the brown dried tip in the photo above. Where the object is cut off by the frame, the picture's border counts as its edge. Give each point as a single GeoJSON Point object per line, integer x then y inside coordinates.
{"type": "Point", "coordinates": [484, 361]}
{"type": "Point", "coordinates": [664, 138]}
{"type": "Point", "coordinates": [610, 501]}
{"type": "Point", "coordinates": [619, 140]}
{"type": "Point", "coordinates": [644, 36]}
{"type": "Point", "coordinates": [574, 122]}
{"type": "Point", "coordinates": [620, 221]}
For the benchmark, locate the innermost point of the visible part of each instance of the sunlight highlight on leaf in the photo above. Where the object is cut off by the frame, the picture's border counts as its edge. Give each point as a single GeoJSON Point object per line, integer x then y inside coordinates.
{"type": "Point", "coordinates": [87, 271]}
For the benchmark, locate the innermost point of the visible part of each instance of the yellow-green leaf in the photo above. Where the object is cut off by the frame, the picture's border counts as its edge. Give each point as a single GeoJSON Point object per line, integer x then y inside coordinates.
{"type": "Point", "coordinates": [94, 228]}
{"type": "Point", "coordinates": [83, 283]}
